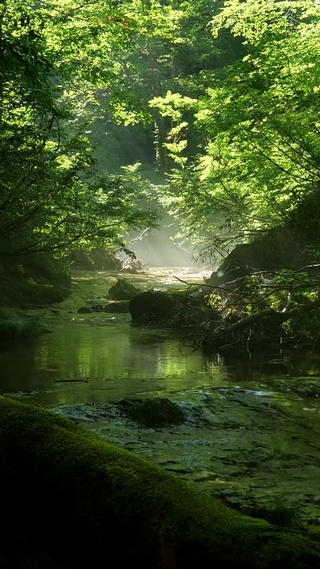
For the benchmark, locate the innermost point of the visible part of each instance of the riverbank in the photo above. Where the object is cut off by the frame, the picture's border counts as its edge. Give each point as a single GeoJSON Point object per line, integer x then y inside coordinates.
{"type": "Point", "coordinates": [107, 503]}
{"type": "Point", "coordinates": [257, 449]}
{"type": "Point", "coordinates": [252, 425]}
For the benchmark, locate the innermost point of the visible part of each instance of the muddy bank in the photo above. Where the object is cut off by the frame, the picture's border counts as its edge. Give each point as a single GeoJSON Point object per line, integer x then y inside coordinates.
{"type": "Point", "coordinates": [254, 448]}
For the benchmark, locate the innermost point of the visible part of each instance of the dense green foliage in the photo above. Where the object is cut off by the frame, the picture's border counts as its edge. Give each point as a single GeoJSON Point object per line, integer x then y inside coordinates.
{"type": "Point", "coordinates": [216, 100]}
{"type": "Point", "coordinates": [226, 91]}
{"type": "Point", "coordinates": [258, 166]}
{"type": "Point", "coordinates": [51, 195]}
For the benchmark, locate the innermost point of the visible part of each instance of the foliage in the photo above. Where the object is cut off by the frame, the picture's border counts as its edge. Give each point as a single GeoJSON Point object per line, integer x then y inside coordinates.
{"type": "Point", "coordinates": [283, 514]}
{"type": "Point", "coordinates": [67, 69]}
{"type": "Point", "coordinates": [51, 195]}
{"type": "Point", "coordinates": [171, 44]}
{"type": "Point", "coordinates": [259, 162]}
{"type": "Point", "coordinates": [15, 325]}
{"type": "Point", "coordinates": [279, 512]}
{"type": "Point", "coordinates": [264, 307]}
{"type": "Point", "coordinates": [223, 96]}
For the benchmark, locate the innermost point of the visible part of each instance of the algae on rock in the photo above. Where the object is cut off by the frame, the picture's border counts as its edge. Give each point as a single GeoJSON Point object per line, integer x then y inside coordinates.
{"type": "Point", "coordinates": [157, 412]}
{"type": "Point", "coordinates": [107, 503]}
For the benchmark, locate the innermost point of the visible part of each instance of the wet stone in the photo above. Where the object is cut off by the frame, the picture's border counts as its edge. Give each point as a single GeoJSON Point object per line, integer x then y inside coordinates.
{"type": "Point", "coordinates": [231, 444]}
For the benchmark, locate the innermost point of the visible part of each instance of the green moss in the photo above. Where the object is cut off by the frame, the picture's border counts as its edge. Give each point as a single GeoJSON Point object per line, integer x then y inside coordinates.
{"type": "Point", "coordinates": [85, 500]}
{"type": "Point", "coordinates": [157, 412]}
{"type": "Point", "coordinates": [15, 325]}
{"type": "Point", "coordinates": [33, 280]}
{"type": "Point", "coordinates": [122, 290]}
{"type": "Point", "coordinates": [279, 512]}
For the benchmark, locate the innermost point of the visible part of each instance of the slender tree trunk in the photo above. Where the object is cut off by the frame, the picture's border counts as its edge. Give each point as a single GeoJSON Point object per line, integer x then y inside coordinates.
{"type": "Point", "coordinates": [2, 65]}
{"type": "Point", "coordinates": [159, 138]}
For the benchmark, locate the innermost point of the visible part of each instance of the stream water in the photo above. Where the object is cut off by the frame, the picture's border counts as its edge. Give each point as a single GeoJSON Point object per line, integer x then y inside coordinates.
{"type": "Point", "coordinates": [253, 422]}
{"type": "Point", "coordinates": [101, 357]}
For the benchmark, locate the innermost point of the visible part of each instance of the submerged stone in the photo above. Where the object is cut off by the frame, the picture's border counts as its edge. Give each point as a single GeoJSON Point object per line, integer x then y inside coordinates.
{"type": "Point", "coordinates": [155, 413]}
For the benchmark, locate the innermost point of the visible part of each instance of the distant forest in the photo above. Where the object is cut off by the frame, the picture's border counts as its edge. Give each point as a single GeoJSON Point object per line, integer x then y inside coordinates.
{"type": "Point", "coordinates": [115, 114]}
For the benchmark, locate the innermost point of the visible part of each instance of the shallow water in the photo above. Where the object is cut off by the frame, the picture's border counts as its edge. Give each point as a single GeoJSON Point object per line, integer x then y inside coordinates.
{"type": "Point", "coordinates": [102, 357]}
{"type": "Point", "coordinates": [253, 421]}
{"type": "Point", "coordinates": [94, 363]}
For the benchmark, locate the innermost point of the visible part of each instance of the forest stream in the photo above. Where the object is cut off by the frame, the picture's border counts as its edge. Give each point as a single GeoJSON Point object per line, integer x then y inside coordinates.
{"type": "Point", "coordinates": [252, 429]}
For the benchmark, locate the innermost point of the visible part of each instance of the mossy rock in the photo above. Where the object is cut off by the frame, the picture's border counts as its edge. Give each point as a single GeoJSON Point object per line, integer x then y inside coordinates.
{"type": "Point", "coordinates": [152, 306]}
{"type": "Point", "coordinates": [15, 325]}
{"type": "Point", "coordinates": [122, 290]}
{"type": "Point", "coordinates": [33, 280]}
{"type": "Point", "coordinates": [157, 413]}
{"type": "Point", "coordinates": [82, 501]}
{"type": "Point", "coordinates": [118, 306]}
{"type": "Point", "coordinates": [84, 310]}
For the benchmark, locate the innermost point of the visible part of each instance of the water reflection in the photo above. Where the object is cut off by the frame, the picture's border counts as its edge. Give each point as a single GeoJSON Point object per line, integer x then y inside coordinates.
{"type": "Point", "coordinates": [113, 361]}
{"type": "Point", "coordinates": [265, 366]}
{"type": "Point", "coordinates": [106, 358]}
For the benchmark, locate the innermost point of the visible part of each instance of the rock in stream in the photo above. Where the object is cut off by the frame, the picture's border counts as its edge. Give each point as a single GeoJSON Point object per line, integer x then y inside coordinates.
{"type": "Point", "coordinates": [248, 447]}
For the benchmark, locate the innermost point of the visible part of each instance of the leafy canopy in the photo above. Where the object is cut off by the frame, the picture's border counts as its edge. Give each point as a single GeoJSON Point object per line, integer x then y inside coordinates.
{"type": "Point", "coordinates": [258, 163]}
{"type": "Point", "coordinates": [51, 65]}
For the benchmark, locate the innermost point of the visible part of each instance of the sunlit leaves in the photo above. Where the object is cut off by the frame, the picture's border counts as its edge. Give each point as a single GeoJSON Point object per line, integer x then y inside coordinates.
{"type": "Point", "coordinates": [261, 147]}
{"type": "Point", "coordinates": [255, 20]}
{"type": "Point", "coordinates": [172, 105]}
{"type": "Point", "coordinates": [55, 55]}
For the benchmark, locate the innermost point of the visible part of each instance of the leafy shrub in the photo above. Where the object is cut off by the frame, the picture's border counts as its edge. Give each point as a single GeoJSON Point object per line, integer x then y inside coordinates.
{"type": "Point", "coordinates": [279, 512]}
{"type": "Point", "coordinates": [14, 325]}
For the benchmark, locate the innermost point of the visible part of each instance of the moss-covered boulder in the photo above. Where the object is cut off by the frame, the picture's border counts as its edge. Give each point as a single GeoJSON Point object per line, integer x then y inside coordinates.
{"type": "Point", "coordinates": [122, 290]}
{"type": "Point", "coordinates": [86, 503]}
{"type": "Point", "coordinates": [152, 307]}
{"type": "Point", "coordinates": [15, 325]}
{"type": "Point", "coordinates": [84, 310]}
{"type": "Point", "coordinates": [118, 306]}
{"type": "Point", "coordinates": [32, 281]}
{"type": "Point", "coordinates": [157, 412]}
